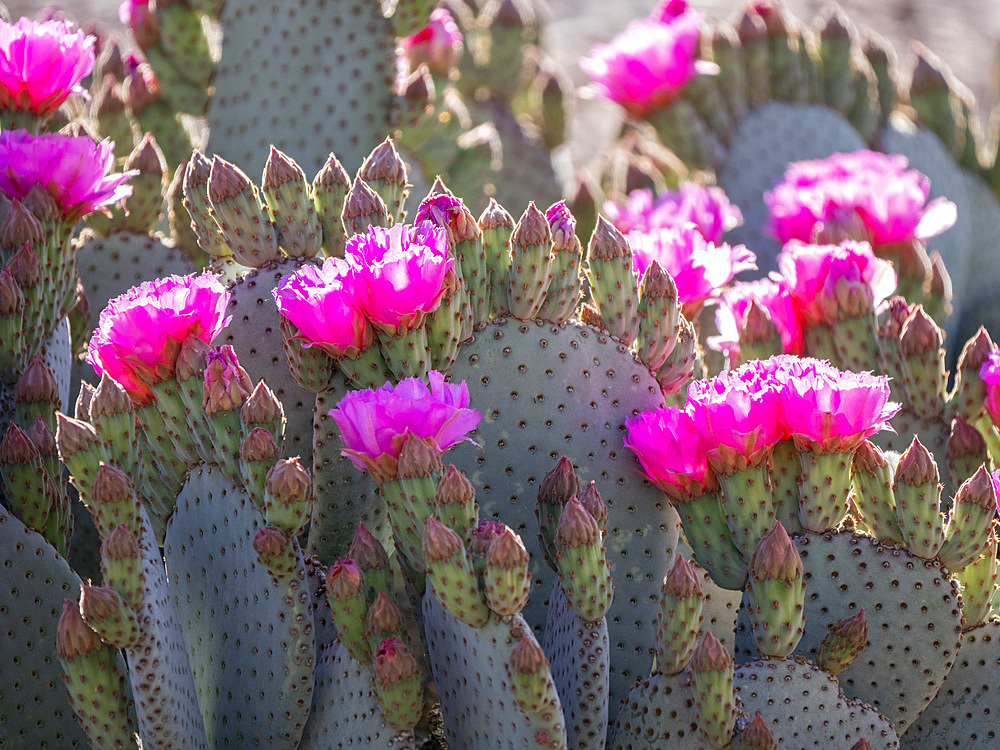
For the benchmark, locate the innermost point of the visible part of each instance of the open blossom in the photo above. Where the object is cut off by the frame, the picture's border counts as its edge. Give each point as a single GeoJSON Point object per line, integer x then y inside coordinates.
{"type": "Point", "coordinates": [824, 280]}
{"type": "Point", "coordinates": [864, 195]}
{"type": "Point", "coordinates": [75, 170]}
{"type": "Point", "coordinates": [41, 63]}
{"type": "Point", "coordinates": [827, 410]}
{"type": "Point", "coordinates": [437, 45]}
{"type": "Point", "coordinates": [672, 452]}
{"type": "Point", "coordinates": [699, 268]}
{"type": "Point", "coordinates": [648, 63]}
{"type": "Point", "coordinates": [707, 208]}
{"type": "Point", "coordinates": [770, 294]}
{"type": "Point", "coordinates": [738, 414]}
{"type": "Point", "coordinates": [375, 423]}
{"type": "Point", "coordinates": [402, 274]}
{"type": "Point", "coordinates": [990, 374]}
{"type": "Point", "coordinates": [324, 304]}
{"type": "Point", "coordinates": [140, 333]}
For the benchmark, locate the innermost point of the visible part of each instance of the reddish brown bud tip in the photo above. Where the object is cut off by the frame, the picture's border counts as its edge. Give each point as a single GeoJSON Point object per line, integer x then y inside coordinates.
{"type": "Point", "coordinates": [263, 407]}
{"type": "Point", "coordinates": [495, 216]}
{"type": "Point", "coordinates": [120, 544]}
{"type": "Point", "coordinates": [17, 447]}
{"type": "Point", "coordinates": [281, 168]}
{"type": "Point", "coordinates": [419, 457]}
{"type": "Point", "coordinates": [607, 242]}
{"type": "Point", "coordinates": [757, 735]}
{"type": "Point", "coordinates": [439, 188]}
{"type": "Point", "coordinates": [83, 400]}
{"type": "Point", "coordinates": [227, 384]}
{"type": "Point", "coordinates": [191, 359]}
{"type": "Point", "coordinates": [979, 490]}
{"type": "Point", "coordinates": [869, 458]}
{"type": "Point", "coordinates": [288, 480]}
{"type": "Point", "coordinates": [362, 201]}
{"type": "Point", "coordinates": [112, 485]}
{"type": "Point", "coordinates": [710, 655]}
{"type": "Point", "coordinates": [367, 551]}
{"type": "Point", "coordinates": [454, 488]}
{"type": "Point", "coordinates": [527, 657]}
{"type": "Point", "coordinates": [26, 267]}
{"type": "Point", "coordinates": [758, 326]}
{"type": "Point", "coordinates": [439, 543]}
{"type": "Point", "coordinates": [36, 384]}
{"type": "Point", "coordinates": [775, 558]}
{"type": "Point", "coordinates": [916, 466]}
{"type": "Point", "coordinates": [682, 580]}
{"type": "Point", "coordinates": [198, 170]}
{"type": "Point", "coordinates": [147, 157]}
{"type": "Point", "coordinates": [592, 501]}
{"type": "Point", "coordinates": [41, 435]}
{"type": "Point", "coordinates": [226, 181]}
{"type": "Point", "coordinates": [332, 174]}
{"type": "Point", "coordinates": [384, 616]}
{"type": "Point", "coordinates": [862, 744]}
{"type": "Point", "coordinates": [20, 227]}
{"type": "Point", "coordinates": [98, 603]}
{"type": "Point", "coordinates": [658, 284]}
{"type": "Point", "coordinates": [109, 399]}
{"type": "Point", "coordinates": [920, 334]}
{"type": "Point", "coordinates": [344, 580]}
{"type": "Point", "coordinates": [976, 351]}
{"type": "Point", "coordinates": [483, 535]}
{"type": "Point", "coordinates": [41, 203]}
{"type": "Point", "coordinates": [507, 551]}
{"type": "Point", "coordinates": [11, 296]}
{"type": "Point", "coordinates": [532, 229]}
{"type": "Point", "coordinates": [576, 526]}
{"type": "Point", "coordinates": [74, 636]}
{"type": "Point", "coordinates": [270, 541]}
{"type": "Point", "coordinates": [394, 663]}
{"type": "Point", "coordinates": [965, 440]}
{"type": "Point", "coordinates": [74, 435]}
{"type": "Point", "coordinates": [560, 484]}
{"type": "Point", "coordinates": [385, 164]}
{"type": "Point", "coordinates": [259, 445]}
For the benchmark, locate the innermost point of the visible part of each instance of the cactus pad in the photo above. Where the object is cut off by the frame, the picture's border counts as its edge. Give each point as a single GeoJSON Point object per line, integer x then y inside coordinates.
{"type": "Point", "coordinates": [964, 712]}
{"type": "Point", "coordinates": [311, 78]}
{"type": "Point", "coordinates": [109, 266]}
{"type": "Point", "coordinates": [34, 705]}
{"type": "Point", "coordinates": [470, 670]}
{"type": "Point", "coordinates": [254, 685]}
{"type": "Point", "coordinates": [255, 335]}
{"type": "Point", "coordinates": [805, 707]}
{"type": "Point", "coordinates": [546, 391]}
{"type": "Point", "coordinates": [913, 614]}
{"type": "Point", "coordinates": [765, 143]}
{"type": "Point", "coordinates": [579, 655]}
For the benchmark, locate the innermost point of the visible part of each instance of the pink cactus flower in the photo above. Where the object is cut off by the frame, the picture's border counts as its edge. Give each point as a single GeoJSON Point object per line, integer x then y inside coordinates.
{"type": "Point", "coordinates": [140, 333]}
{"type": "Point", "coordinates": [375, 423]}
{"type": "Point", "coordinates": [671, 452]}
{"type": "Point", "coordinates": [74, 170]}
{"type": "Point", "coordinates": [41, 63]}
{"type": "Point", "coordinates": [561, 222]}
{"type": "Point", "coordinates": [700, 268]}
{"type": "Point", "coordinates": [827, 410]}
{"type": "Point", "coordinates": [450, 214]}
{"type": "Point", "coordinates": [668, 10]}
{"type": "Point", "coordinates": [706, 207]}
{"type": "Point", "coordinates": [828, 283]}
{"type": "Point", "coordinates": [990, 374]}
{"type": "Point", "coordinates": [402, 274]}
{"type": "Point", "coordinates": [647, 64]}
{"type": "Point", "coordinates": [438, 45]}
{"type": "Point", "coordinates": [324, 304]}
{"type": "Point", "coordinates": [730, 315]}
{"type": "Point", "coordinates": [864, 195]}
{"type": "Point", "coordinates": [738, 413]}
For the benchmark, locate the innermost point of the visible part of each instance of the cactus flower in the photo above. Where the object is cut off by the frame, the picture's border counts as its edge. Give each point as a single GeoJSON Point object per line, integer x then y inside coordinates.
{"type": "Point", "coordinates": [990, 375]}
{"type": "Point", "coordinates": [672, 452]}
{"type": "Point", "coordinates": [700, 268]}
{"type": "Point", "coordinates": [75, 171]}
{"type": "Point", "coordinates": [648, 63]}
{"type": "Point", "coordinates": [374, 423]}
{"type": "Point", "coordinates": [41, 63]}
{"type": "Point", "coordinates": [402, 274]}
{"type": "Point", "coordinates": [438, 45]}
{"type": "Point", "coordinates": [864, 195]}
{"type": "Point", "coordinates": [731, 315]}
{"type": "Point", "coordinates": [140, 333]}
{"type": "Point", "coordinates": [707, 208]}
{"type": "Point", "coordinates": [324, 304]}
{"type": "Point", "coordinates": [821, 277]}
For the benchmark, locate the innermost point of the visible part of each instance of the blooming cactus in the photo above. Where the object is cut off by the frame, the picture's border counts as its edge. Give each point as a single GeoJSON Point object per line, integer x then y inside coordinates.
{"type": "Point", "coordinates": [707, 208]}
{"type": "Point", "coordinates": [140, 333]}
{"type": "Point", "coordinates": [990, 373]}
{"type": "Point", "coordinates": [41, 63]}
{"type": "Point", "coordinates": [672, 452]}
{"type": "Point", "coordinates": [773, 296]}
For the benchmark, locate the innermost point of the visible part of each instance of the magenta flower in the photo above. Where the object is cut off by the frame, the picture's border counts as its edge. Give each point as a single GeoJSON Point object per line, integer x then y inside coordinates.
{"type": "Point", "coordinates": [41, 63]}
{"type": "Point", "coordinates": [402, 274]}
{"type": "Point", "coordinates": [668, 10]}
{"type": "Point", "coordinates": [990, 374]}
{"type": "Point", "coordinates": [140, 333]}
{"type": "Point", "coordinates": [706, 207]}
{"type": "Point", "coordinates": [864, 195]}
{"type": "Point", "coordinates": [438, 45]}
{"type": "Point", "coordinates": [771, 294]}
{"type": "Point", "coordinates": [647, 64]}
{"type": "Point", "coordinates": [824, 280]}
{"type": "Point", "coordinates": [827, 410]}
{"type": "Point", "coordinates": [738, 414]}
{"type": "Point", "coordinates": [700, 268]}
{"type": "Point", "coordinates": [75, 171]}
{"type": "Point", "coordinates": [324, 304]}
{"type": "Point", "coordinates": [374, 424]}
{"type": "Point", "coordinates": [671, 452]}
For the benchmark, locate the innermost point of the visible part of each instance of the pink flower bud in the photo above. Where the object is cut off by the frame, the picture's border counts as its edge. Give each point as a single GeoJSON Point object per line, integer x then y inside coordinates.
{"type": "Point", "coordinates": [438, 45]}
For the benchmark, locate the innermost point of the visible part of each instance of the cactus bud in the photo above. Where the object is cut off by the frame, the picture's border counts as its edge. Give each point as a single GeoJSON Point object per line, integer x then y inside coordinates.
{"type": "Point", "coordinates": [80, 449]}
{"type": "Point", "coordinates": [418, 458]}
{"type": "Point", "coordinates": [530, 264]}
{"type": "Point", "coordinates": [397, 682]}
{"type": "Point", "coordinates": [529, 674]}
{"type": "Point", "coordinates": [862, 744]}
{"type": "Point", "coordinates": [120, 565]}
{"type": "Point", "coordinates": [712, 673]}
{"type": "Point", "coordinates": [26, 267]}
{"type": "Point", "coordinates": [20, 228]}
{"type": "Point", "coordinates": [506, 575]}
{"type": "Point", "coordinates": [659, 314]}
{"type": "Point", "coordinates": [329, 189]}
{"type": "Point", "coordinates": [776, 593]}
{"type": "Point", "coordinates": [36, 385]}
{"type": "Point", "coordinates": [384, 619]}
{"type": "Point", "coordinates": [594, 504]}
{"type": "Point", "coordinates": [11, 296]}
{"type": "Point", "coordinates": [679, 617]}
{"type": "Point", "coordinates": [757, 735]}
{"type": "Point", "coordinates": [288, 496]}
{"type": "Point", "coordinates": [845, 640]}
{"type": "Point", "coordinates": [456, 501]}
{"type": "Point", "coordinates": [363, 208]}
{"type": "Point", "coordinates": [24, 478]}
{"type": "Point", "coordinates": [678, 368]}
{"type": "Point", "coordinates": [371, 558]}
{"type": "Point", "coordinates": [385, 172]}
{"type": "Point", "coordinates": [918, 497]}
{"type": "Point", "coordinates": [74, 638]}
{"type": "Point", "coordinates": [497, 226]}
{"type": "Point", "coordinates": [972, 516]}
{"type": "Point", "coordinates": [259, 446]}
{"type": "Point", "coordinates": [557, 487]}
{"type": "Point", "coordinates": [109, 400]}
{"type": "Point", "coordinates": [452, 575]}
{"type": "Point", "coordinates": [263, 409]}
{"type": "Point", "coordinates": [970, 394]}
{"type": "Point", "coordinates": [108, 615]}
{"type": "Point", "coordinates": [583, 570]}
{"type": "Point", "coordinates": [923, 363]}
{"type": "Point", "coordinates": [563, 294]}
{"type": "Point", "coordinates": [143, 206]}
{"type": "Point", "coordinates": [286, 193]}
{"type": "Point", "coordinates": [247, 231]}
{"type": "Point", "coordinates": [42, 437]}
{"type": "Point", "coordinates": [614, 286]}
{"type": "Point", "coordinates": [82, 408]}
{"type": "Point", "coordinates": [227, 384]}
{"type": "Point", "coordinates": [965, 450]}
{"type": "Point", "coordinates": [345, 592]}
{"type": "Point", "coordinates": [113, 499]}
{"type": "Point", "coordinates": [873, 478]}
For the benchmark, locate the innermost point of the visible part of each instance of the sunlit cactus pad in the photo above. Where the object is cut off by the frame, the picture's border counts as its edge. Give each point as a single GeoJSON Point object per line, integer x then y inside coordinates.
{"type": "Point", "coordinates": [659, 712]}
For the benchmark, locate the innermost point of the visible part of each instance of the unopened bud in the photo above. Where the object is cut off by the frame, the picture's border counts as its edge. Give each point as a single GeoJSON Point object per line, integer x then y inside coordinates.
{"type": "Point", "coordinates": [576, 526]}
{"type": "Point", "coordinates": [916, 466]}
{"type": "Point", "coordinates": [74, 637]}
{"type": "Point", "coordinates": [279, 169]}
{"type": "Point", "coordinates": [775, 558]}
{"type": "Point", "coordinates": [259, 445]}
{"type": "Point", "coordinates": [20, 227]}
{"type": "Point", "coordinates": [920, 335]}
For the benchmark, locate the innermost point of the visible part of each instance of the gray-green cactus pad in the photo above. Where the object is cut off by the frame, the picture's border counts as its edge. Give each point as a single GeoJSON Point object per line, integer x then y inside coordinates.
{"type": "Point", "coordinates": [660, 712]}
{"type": "Point", "coordinates": [252, 653]}
{"type": "Point", "coordinates": [470, 671]}
{"type": "Point", "coordinates": [255, 334]}
{"type": "Point", "coordinates": [546, 391]}
{"type": "Point", "coordinates": [57, 353]}
{"type": "Point", "coordinates": [805, 707]}
{"type": "Point", "coordinates": [345, 495]}
{"type": "Point", "coordinates": [310, 77]}
{"type": "Point", "coordinates": [767, 140]}
{"type": "Point", "coordinates": [109, 266]}
{"type": "Point", "coordinates": [964, 713]}
{"type": "Point", "coordinates": [913, 614]}
{"type": "Point", "coordinates": [345, 710]}
{"type": "Point", "coordinates": [578, 653]}
{"type": "Point", "coordinates": [34, 705]}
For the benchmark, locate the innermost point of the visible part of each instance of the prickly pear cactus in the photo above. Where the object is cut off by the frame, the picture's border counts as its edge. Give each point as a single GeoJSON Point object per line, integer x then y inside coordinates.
{"type": "Point", "coordinates": [658, 710]}
{"type": "Point", "coordinates": [547, 390]}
